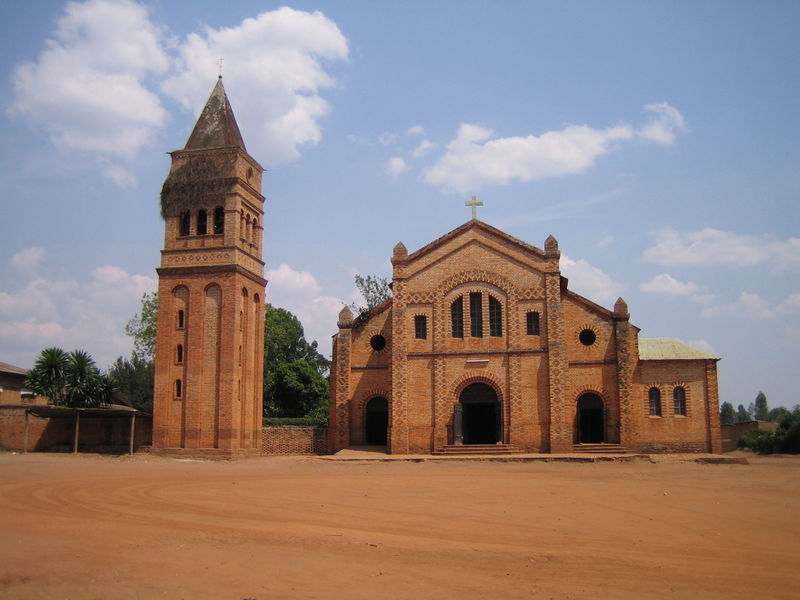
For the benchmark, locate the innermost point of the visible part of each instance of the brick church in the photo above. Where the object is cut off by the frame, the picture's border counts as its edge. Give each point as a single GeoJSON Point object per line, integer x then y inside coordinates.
{"type": "Point", "coordinates": [483, 347]}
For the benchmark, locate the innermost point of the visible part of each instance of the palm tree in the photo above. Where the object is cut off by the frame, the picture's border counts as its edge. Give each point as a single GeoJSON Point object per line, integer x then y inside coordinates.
{"type": "Point", "coordinates": [82, 380]}
{"type": "Point", "coordinates": [47, 378]}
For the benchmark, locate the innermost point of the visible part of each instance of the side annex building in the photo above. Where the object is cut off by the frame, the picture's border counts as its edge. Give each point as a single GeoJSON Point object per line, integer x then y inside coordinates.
{"type": "Point", "coordinates": [484, 343]}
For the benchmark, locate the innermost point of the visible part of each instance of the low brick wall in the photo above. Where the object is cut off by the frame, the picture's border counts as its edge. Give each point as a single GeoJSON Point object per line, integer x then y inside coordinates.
{"type": "Point", "coordinates": [732, 433]}
{"type": "Point", "coordinates": [295, 440]}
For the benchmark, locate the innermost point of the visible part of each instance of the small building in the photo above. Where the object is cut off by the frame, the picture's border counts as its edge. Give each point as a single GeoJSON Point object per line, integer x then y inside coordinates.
{"type": "Point", "coordinates": [483, 343]}
{"type": "Point", "coordinates": [12, 387]}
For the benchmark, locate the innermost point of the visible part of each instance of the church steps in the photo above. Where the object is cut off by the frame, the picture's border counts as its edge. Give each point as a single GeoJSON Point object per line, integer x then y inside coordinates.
{"type": "Point", "coordinates": [599, 449]}
{"type": "Point", "coordinates": [470, 449]}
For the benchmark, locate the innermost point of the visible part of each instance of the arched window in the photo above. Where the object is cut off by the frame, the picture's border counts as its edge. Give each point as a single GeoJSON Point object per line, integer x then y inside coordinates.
{"type": "Point", "coordinates": [202, 222]}
{"type": "Point", "coordinates": [475, 315]}
{"type": "Point", "coordinates": [457, 317]}
{"type": "Point", "coordinates": [178, 388]}
{"type": "Point", "coordinates": [654, 401]}
{"type": "Point", "coordinates": [186, 220]}
{"type": "Point", "coordinates": [219, 220]}
{"type": "Point", "coordinates": [679, 401]}
{"type": "Point", "coordinates": [532, 322]}
{"type": "Point", "coordinates": [255, 230]}
{"type": "Point", "coordinates": [495, 317]}
{"type": "Point", "coordinates": [179, 353]}
{"type": "Point", "coordinates": [180, 319]}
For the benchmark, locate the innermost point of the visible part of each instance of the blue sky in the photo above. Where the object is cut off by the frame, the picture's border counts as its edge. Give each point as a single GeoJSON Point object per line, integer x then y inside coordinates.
{"type": "Point", "coordinates": [657, 141]}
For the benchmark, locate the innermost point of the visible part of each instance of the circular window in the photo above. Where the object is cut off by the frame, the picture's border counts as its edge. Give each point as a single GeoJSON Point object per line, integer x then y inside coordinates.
{"type": "Point", "coordinates": [587, 337]}
{"type": "Point", "coordinates": [378, 342]}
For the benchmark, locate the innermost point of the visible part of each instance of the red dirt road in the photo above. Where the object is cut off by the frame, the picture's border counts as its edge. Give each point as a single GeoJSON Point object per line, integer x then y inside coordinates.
{"type": "Point", "coordinates": [90, 527]}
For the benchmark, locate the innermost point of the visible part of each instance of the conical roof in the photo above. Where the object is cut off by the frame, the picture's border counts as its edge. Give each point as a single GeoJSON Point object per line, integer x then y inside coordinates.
{"type": "Point", "coordinates": [216, 127]}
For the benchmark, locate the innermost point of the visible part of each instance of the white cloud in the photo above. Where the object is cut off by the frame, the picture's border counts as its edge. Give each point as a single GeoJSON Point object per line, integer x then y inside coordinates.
{"type": "Point", "coordinates": [664, 125]}
{"type": "Point", "coordinates": [387, 138]}
{"type": "Point", "coordinates": [86, 89]}
{"type": "Point", "coordinates": [89, 314]}
{"type": "Point", "coordinates": [298, 292]}
{"type": "Point", "coordinates": [29, 259]}
{"type": "Point", "coordinates": [747, 305]}
{"type": "Point", "coordinates": [273, 73]}
{"type": "Point", "coordinates": [605, 241]}
{"type": "Point", "coordinates": [120, 175]}
{"type": "Point", "coordinates": [423, 148]}
{"type": "Point", "coordinates": [712, 247]}
{"type": "Point", "coordinates": [667, 284]}
{"type": "Point", "coordinates": [395, 167]}
{"type": "Point", "coordinates": [791, 305]}
{"type": "Point", "coordinates": [475, 159]}
{"type": "Point", "coordinates": [415, 130]}
{"type": "Point", "coordinates": [589, 281]}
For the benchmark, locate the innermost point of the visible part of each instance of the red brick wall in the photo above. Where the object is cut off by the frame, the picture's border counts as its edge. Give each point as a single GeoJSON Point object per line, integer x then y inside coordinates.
{"type": "Point", "coordinates": [295, 440]}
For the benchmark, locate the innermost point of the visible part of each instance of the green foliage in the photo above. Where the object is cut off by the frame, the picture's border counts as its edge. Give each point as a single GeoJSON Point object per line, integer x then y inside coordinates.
{"type": "Point", "coordinates": [48, 374]}
{"type": "Point", "coordinates": [776, 415]}
{"type": "Point", "coordinates": [134, 379]}
{"type": "Point", "coordinates": [785, 438]}
{"type": "Point", "coordinates": [743, 415]}
{"type": "Point", "coordinates": [294, 371]}
{"type": "Point", "coordinates": [375, 290]}
{"type": "Point", "coordinates": [142, 328]}
{"type": "Point", "coordinates": [760, 409]}
{"type": "Point", "coordinates": [727, 414]}
{"type": "Point", "coordinates": [70, 379]}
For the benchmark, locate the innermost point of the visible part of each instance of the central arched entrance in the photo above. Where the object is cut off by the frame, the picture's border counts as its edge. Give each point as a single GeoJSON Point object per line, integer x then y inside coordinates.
{"type": "Point", "coordinates": [377, 421]}
{"type": "Point", "coordinates": [481, 414]}
{"type": "Point", "coordinates": [591, 426]}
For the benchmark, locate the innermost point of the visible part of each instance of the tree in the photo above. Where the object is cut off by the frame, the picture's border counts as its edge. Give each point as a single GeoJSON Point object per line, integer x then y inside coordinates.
{"type": "Point", "coordinates": [142, 328]}
{"type": "Point", "coordinates": [69, 379]}
{"type": "Point", "coordinates": [727, 415]}
{"type": "Point", "coordinates": [761, 410]}
{"type": "Point", "coordinates": [778, 414]}
{"type": "Point", "coordinates": [47, 376]}
{"type": "Point", "coordinates": [134, 379]}
{"type": "Point", "coordinates": [294, 370]}
{"type": "Point", "coordinates": [743, 415]}
{"type": "Point", "coordinates": [375, 290]}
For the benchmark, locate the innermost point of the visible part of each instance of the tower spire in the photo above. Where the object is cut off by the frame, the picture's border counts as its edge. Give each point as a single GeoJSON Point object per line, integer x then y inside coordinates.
{"type": "Point", "coordinates": [216, 127]}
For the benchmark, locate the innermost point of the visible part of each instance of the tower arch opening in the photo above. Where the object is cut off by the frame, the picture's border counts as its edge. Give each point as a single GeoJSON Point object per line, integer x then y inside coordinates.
{"type": "Point", "coordinates": [590, 420]}
{"type": "Point", "coordinates": [481, 414]}
{"type": "Point", "coordinates": [376, 421]}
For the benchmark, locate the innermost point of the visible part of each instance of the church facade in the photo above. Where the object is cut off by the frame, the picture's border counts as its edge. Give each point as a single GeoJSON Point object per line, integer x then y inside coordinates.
{"type": "Point", "coordinates": [483, 343]}
{"type": "Point", "coordinates": [211, 286]}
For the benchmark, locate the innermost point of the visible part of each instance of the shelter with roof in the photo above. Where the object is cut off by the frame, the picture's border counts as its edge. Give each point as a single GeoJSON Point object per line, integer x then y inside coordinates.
{"type": "Point", "coordinates": [483, 347]}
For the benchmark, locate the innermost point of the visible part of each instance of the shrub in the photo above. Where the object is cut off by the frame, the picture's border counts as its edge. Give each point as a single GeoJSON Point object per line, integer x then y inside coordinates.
{"type": "Point", "coordinates": [296, 421]}
{"type": "Point", "coordinates": [759, 440]}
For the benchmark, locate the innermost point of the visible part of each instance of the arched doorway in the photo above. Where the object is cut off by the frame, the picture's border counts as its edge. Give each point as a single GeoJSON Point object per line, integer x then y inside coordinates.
{"type": "Point", "coordinates": [591, 426]}
{"type": "Point", "coordinates": [481, 418]}
{"type": "Point", "coordinates": [376, 421]}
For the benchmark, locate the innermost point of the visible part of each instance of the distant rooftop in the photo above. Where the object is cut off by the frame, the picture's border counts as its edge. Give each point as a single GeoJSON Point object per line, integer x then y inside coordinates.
{"type": "Point", "coordinates": [7, 368]}
{"type": "Point", "coordinates": [669, 349]}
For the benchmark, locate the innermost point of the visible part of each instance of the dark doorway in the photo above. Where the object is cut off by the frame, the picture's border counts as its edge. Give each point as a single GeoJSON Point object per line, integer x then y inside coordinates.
{"type": "Point", "coordinates": [377, 421]}
{"type": "Point", "coordinates": [590, 419]}
{"type": "Point", "coordinates": [481, 414]}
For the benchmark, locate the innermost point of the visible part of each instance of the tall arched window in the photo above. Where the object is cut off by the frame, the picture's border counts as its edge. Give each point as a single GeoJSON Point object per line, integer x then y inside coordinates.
{"type": "Point", "coordinates": [179, 353]}
{"type": "Point", "coordinates": [654, 401]}
{"type": "Point", "coordinates": [475, 314]}
{"type": "Point", "coordinates": [180, 320]}
{"type": "Point", "coordinates": [532, 322]}
{"type": "Point", "coordinates": [202, 222]}
{"type": "Point", "coordinates": [186, 220]}
{"type": "Point", "coordinates": [457, 317]}
{"type": "Point", "coordinates": [219, 220]}
{"type": "Point", "coordinates": [495, 317]}
{"type": "Point", "coordinates": [178, 388]}
{"type": "Point", "coordinates": [679, 401]}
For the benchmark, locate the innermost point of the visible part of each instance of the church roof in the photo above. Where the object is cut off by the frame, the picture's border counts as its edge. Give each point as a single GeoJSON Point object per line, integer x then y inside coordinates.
{"type": "Point", "coordinates": [216, 127]}
{"type": "Point", "coordinates": [669, 349]}
{"type": "Point", "coordinates": [479, 225]}
{"type": "Point", "coordinates": [7, 368]}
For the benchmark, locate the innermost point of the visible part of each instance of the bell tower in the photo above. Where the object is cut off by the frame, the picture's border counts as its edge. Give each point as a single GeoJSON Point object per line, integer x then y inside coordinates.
{"type": "Point", "coordinates": [211, 286]}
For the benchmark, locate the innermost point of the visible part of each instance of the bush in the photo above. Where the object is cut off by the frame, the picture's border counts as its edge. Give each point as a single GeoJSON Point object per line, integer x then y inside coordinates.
{"type": "Point", "coordinates": [759, 440]}
{"type": "Point", "coordinates": [296, 421]}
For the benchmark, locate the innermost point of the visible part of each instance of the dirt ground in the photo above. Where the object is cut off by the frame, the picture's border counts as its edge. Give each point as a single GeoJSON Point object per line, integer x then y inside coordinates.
{"type": "Point", "coordinates": [145, 527]}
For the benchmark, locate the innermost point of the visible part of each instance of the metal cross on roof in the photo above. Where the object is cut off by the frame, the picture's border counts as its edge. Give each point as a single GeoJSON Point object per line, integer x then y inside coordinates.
{"type": "Point", "coordinates": [474, 203]}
